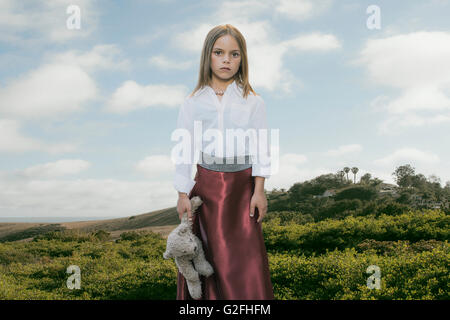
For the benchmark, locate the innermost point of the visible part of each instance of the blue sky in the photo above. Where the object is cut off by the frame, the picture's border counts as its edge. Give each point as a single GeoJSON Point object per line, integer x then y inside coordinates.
{"type": "Point", "coordinates": [86, 114]}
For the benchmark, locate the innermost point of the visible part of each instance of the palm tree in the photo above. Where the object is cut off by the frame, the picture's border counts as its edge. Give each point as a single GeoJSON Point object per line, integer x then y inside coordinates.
{"type": "Point", "coordinates": [346, 170]}
{"type": "Point", "coordinates": [354, 171]}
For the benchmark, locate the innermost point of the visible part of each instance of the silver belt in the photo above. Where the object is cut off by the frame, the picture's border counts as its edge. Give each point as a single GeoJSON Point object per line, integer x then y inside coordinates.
{"type": "Point", "coordinates": [225, 164]}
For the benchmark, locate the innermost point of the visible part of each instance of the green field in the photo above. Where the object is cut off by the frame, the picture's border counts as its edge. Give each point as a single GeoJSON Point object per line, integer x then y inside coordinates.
{"type": "Point", "coordinates": [316, 260]}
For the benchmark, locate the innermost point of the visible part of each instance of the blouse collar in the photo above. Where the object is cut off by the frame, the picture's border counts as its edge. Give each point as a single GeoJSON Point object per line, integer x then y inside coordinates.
{"type": "Point", "coordinates": [235, 89]}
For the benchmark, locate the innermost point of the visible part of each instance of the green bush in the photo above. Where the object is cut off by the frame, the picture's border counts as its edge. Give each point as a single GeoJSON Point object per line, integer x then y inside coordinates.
{"type": "Point", "coordinates": [101, 235]}
{"type": "Point", "coordinates": [392, 208]}
{"type": "Point", "coordinates": [131, 235]}
{"type": "Point", "coordinates": [288, 217]}
{"type": "Point", "coordinates": [342, 275]}
{"type": "Point", "coordinates": [67, 235]}
{"type": "Point", "coordinates": [109, 270]}
{"type": "Point", "coordinates": [340, 209]}
{"type": "Point", "coordinates": [333, 234]}
{"type": "Point", "coordinates": [399, 246]}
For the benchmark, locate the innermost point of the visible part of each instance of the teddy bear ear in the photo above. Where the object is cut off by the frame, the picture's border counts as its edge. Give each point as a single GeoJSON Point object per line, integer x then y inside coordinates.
{"type": "Point", "coordinates": [196, 201]}
{"type": "Point", "coordinates": [195, 205]}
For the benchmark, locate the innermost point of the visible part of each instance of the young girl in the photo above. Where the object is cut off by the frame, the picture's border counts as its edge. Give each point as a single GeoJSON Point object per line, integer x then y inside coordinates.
{"type": "Point", "coordinates": [232, 186]}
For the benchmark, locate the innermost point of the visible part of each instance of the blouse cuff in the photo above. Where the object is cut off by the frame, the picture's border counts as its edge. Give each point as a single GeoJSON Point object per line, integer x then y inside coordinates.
{"type": "Point", "coordinates": [261, 171]}
{"type": "Point", "coordinates": [182, 184]}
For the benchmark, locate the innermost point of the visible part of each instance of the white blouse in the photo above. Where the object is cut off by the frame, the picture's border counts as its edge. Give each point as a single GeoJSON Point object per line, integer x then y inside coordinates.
{"type": "Point", "coordinates": [204, 111]}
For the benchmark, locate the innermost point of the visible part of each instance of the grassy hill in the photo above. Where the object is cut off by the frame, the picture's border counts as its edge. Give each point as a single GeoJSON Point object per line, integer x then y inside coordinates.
{"type": "Point", "coordinates": [160, 221]}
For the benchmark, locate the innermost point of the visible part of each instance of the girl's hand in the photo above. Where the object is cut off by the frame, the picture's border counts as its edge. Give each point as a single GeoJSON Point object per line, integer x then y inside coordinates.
{"type": "Point", "coordinates": [184, 205]}
{"type": "Point", "coordinates": [259, 201]}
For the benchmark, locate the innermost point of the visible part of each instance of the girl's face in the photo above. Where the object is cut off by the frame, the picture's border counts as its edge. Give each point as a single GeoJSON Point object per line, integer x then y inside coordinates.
{"type": "Point", "coordinates": [225, 54]}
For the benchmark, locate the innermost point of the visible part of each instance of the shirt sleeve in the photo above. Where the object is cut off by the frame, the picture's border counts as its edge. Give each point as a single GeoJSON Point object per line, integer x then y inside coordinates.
{"type": "Point", "coordinates": [183, 181]}
{"type": "Point", "coordinates": [262, 165]}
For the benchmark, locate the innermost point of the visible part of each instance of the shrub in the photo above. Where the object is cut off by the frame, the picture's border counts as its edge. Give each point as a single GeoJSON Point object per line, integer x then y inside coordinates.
{"type": "Point", "coordinates": [332, 234]}
{"type": "Point", "coordinates": [288, 217]}
{"type": "Point", "coordinates": [357, 192]}
{"type": "Point", "coordinates": [101, 235]}
{"type": "Point", "coordinates": [67, 235]}
{"type": "Point", "coordinates": [342, 275]}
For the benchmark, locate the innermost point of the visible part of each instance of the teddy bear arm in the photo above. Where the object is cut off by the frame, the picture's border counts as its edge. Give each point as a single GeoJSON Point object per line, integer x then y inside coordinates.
{"type": "Point", "coordinates": [202, 266]}
{"type": "Point", "coordinates": [187, 269]}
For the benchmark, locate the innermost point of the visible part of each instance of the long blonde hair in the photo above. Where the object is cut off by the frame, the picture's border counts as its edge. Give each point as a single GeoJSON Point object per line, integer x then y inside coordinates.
{"type": "Point", "coordinates": [205, 73]}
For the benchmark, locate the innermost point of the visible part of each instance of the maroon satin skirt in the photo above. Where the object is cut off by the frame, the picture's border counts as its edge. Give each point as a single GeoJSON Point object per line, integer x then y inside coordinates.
{"type": "Point", "coordinates": [232, 240]}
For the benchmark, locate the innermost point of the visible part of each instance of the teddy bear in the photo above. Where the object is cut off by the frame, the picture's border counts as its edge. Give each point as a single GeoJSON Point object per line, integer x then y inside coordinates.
{"type": "Point", "coordinates": [186, 248]}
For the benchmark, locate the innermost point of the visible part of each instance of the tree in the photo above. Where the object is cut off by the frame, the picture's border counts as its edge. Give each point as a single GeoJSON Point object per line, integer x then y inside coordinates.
{"type": "Point", "coordinates": [419, 181]}
{"type": "Point", "coordinates": [434, 179]}
{"type": "Point", "coordinates": [327, 181]}
{"type": "Point", "coordinates": [375, 181]}
{"type": "Point", "coordinates": [403, 175]}
{"type": "Point", "coordinates": [354, 171]}
{"type": "Point", "coordinates": [346, 170]}
{"type": "Point", "coordinates": [357, 192]}
{"type": "Point", "coordinates": [365, 179]}
{"type": "Point", "coordinates": [341, 175]}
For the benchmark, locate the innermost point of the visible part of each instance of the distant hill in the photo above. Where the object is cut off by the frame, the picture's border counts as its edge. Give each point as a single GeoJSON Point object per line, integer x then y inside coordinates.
{"type": "Point", "coordinates": [326, 196]}
{"type": "Point", "coordinates": [160, 221]}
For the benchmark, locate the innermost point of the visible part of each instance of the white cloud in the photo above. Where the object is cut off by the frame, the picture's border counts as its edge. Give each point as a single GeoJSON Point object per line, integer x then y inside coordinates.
{"type": "Point", "coordinates": [409, 60]}
{"type": "Point", "coordinates": [149, 37]}
{"type": "Point", "coordinates": [13, 141]}
{"type": "Point", "coordinates": [131, 96]}
{"type": "Point", "coordinates": [411, 120]}
{"type": "Point", "coordinates": [55, 169]}
{"type": "Point", "coordinates": [241, 10]}
{"type": "Point", "coordinates": [292, 169]}
{"type": "Point", "coordinates": [315, 41]}
{"type": "Point", "coordinates": [30, 23]}
{"type": "Point", "coordinates": [10, 18]}
{"type": "Point", "coordinates": [155, 166]}
{"type": "Point", "coordinates": [102, 56]}
{"type": "Point", "coordinates": [417, 64]}
{"type": "Point", "coordinates": [343, 150]}
{"type": "Point", "coordinates": [47, 91]}
{"type": "Point", "coordinates": [163, 62]}
{"type": "Point", "coordinates": [294, 159]}
{"type": "Point", "coordinates": [408, 155]}
{"type": "Point", "coordinates": [297, 10]}
{"type": "Point", "coordinates": [36, 192]}
{"type": "Point", "coordinates": [63, 84]}
{"type": "Point", "coordinates": [192, 39]}
{"type": "Point", "coordinates": [300, 10]}
{"type": "Point", "coordinates": [83, 197]}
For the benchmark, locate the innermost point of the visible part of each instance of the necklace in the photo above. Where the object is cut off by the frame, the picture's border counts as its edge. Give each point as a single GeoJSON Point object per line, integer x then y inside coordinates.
{"type": "Point", "coordinates": [219, 92]}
